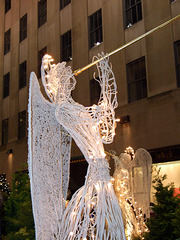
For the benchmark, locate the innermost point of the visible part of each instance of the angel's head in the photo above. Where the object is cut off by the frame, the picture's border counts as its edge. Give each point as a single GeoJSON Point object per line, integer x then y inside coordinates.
{"type": "Point", "coordinates": [58, 80]}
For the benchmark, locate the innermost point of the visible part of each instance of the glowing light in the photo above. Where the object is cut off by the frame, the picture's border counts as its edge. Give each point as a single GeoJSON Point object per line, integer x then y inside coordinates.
{"type": "Point", "coordinates": [109, 184]}
{"type": "Point", "coordinates": [71, 234]}
{"type": "Point", "coordinates": [96, 44]}
{"type": "Point", "coordinates": [94, 127]}
{"type": "Point", "coordinates": [118, 120]}
{"type": "Point", "coordinates": [97, 187]}
{"type": "Point", "coordinates": [73, 213]}
{"type": "Point", "coordinates": [103, 154]}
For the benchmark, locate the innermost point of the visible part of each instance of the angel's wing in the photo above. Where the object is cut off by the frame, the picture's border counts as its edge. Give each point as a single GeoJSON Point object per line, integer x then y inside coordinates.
{"type": "Point", "coordinates": [141, 179]}
{"type": "Point", "coordinates": [49, 154]}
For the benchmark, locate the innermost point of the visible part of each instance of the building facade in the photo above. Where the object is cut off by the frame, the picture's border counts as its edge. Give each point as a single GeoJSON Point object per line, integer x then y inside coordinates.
{"type": "Point", "coordinates": [147, 73]}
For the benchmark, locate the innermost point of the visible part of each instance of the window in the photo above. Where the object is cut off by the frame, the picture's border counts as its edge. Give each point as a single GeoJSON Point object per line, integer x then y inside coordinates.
{"type": "Point", "coordinates": [22, 124]}
{"type": "Point", "coordinates": [177, 61]}
{"type": "Point", "coordinates": [95, 91]}
{"type": "Point", "coordinates": [41, 53]}
{"type": "Point", "coordinates": [95, 29]}
{"type": "Point", "coordinates": [133, 12]}
{"type": "Point", "coordinates": [22, 75]}
{"type": "Point", "coordinates": [7, 37]}
{"type": "Point", "coordinates": [136, 78]}
{"type": "Point", "coordinates": [23, 28]}
{"type": "Point", "coordinates": [5, 123]}
{"type": "Point", "coordinates": [42, 12]}
{"type": "Point", "coordinates": [7, 5]}
{"type": "Point", "coordinates": [6, 85]}
{"type": "Point", "coordinates": [66, 51]}
{"type": "Point", "coordinates": [64, 3]}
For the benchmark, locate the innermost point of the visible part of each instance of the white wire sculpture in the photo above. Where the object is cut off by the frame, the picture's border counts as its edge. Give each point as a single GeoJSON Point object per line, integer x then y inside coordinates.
{"type": "Point", "coordinates": [93, 213]}
{"type": "Point", "coordinates": [132, 186]}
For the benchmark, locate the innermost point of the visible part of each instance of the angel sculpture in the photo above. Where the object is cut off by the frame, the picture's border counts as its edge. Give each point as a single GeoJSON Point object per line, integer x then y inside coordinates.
{"type": "Point", "coordinates": [132, 186]}
{"type": "Point", "coordinates": [93, 212]}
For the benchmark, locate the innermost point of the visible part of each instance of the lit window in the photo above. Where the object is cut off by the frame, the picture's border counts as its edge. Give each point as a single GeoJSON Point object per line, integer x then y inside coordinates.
{"type": "Point", "coordinates": [64, 3]}
{"type": "Point", "coordinates": [95, 29]}
{"type": "Point", "coordinates": [42, 12]}
{"type": "Point", "coordinates": [7, 5]}
{"type": "Point", "coordinates": [95, 91]}
{"type": "Point", "coordinates": [177, 61]}
{"type": "Point", "coordinates": [41, 53]}
{"type": "Point", "coordinates": [5, 124]}
{"type": "Point", "coordinates": [66, 50]}
{"type": "Point", "coordinates": [23, 28]}
{"type": "Point", "coordinates": [22, 125]}
{"type": "Point", "coordinates": [7, 38]}
{"type": "Point", "coordinates": [6, 81]}
{"type": "Point", "coordinates": [22, 74]}
{"type": "Point", "coordinates": [136, 79]}
{"type": "Point", "coordinates": [133, 12]}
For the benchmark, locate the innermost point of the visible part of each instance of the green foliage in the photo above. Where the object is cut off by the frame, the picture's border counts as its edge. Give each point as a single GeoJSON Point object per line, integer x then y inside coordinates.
{"type": "Point", "coordinates": [166, 223]}
{"type": "Point", "coordinates": [19, 223]}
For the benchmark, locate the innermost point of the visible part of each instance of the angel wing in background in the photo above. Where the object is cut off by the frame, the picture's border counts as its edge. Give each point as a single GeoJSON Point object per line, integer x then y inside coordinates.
{"type": "Point", "coordinates": [132, 185]}
{"type": "Point", "coordinates": [49, 156]}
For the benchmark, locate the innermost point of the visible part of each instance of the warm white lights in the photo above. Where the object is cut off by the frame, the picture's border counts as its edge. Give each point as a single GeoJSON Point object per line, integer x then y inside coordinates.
{"type": "Point", "coordinates": [51, 123]}
{"type": "Point", "coordinates": [126, 184]}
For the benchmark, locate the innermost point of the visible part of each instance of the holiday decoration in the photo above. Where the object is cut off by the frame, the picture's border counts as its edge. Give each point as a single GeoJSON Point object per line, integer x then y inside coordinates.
{"type": "Point", "coordinates": [132, 180]}
{"type": "Point", "coordinates": [93, 213]}
{"type": "Point", "coordinates": [4, 185]}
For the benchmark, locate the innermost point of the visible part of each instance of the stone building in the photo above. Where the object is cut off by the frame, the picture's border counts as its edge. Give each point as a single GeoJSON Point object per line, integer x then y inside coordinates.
{"type": "Point", "coordinates": [147, 73]}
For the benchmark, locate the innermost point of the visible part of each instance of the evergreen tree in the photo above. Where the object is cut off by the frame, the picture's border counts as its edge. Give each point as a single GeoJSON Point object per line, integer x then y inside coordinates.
{"type": "Point", "coordinates": [4, 193]}
{"type": "Point", "coordinates": [19, 223]}
{"type": "Point", "coordinates": [166, 223]}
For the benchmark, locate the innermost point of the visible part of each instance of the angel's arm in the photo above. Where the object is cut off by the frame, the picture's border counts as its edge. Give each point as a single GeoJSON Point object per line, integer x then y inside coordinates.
{"type": "Point", "coordinates": [103, 113]}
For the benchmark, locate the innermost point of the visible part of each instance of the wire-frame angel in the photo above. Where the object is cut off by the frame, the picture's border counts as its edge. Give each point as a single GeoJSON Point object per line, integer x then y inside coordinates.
{"type": "Point", "coordinates": [93, 213]}
{"type": "Point", "coordinates": [132, 177]}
